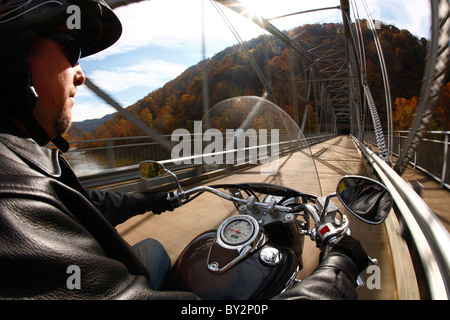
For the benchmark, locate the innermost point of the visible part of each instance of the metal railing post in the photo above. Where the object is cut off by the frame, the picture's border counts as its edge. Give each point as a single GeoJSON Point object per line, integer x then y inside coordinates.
{"type": "Point", "coordinates": [444, 161]}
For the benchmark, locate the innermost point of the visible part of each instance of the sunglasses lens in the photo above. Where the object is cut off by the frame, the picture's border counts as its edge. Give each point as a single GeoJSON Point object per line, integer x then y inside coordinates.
{"type": "Point", "coordinates": [70, 43]}
{"type": "Point", "coordinates": [75, 55]}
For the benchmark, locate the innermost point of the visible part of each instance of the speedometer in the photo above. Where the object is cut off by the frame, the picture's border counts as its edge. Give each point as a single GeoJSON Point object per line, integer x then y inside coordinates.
{"type": "Point", "coordinates": [237, 231]}
{"type": "Point", "coordinates": [236, 237]}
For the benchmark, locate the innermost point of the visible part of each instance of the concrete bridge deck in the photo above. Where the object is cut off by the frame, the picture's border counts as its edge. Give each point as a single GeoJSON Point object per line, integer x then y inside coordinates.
{"type": "Point", "coordinates": [334, 158]}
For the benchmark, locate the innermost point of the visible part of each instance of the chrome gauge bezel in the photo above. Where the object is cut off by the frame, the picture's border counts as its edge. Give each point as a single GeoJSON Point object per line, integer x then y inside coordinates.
{"type": "Point", "coordinates": [245, 242]}
{"type": "Point", "coordinates": [232, 253]}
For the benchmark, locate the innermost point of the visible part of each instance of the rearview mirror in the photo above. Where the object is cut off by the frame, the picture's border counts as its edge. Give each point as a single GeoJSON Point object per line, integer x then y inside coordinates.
{"type": "Point", "coordinates": [151, 169]}
{"type": "Point", "coordinates": [365, 198]}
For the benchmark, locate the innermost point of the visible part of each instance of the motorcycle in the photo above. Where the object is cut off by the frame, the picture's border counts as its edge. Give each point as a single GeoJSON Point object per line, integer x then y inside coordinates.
{"type": "Point", "coordinates": [256, 253]}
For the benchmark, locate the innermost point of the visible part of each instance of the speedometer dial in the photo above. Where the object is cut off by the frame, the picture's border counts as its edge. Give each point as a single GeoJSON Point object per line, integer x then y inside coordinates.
{"type": "Point", "coordinates": [237, 231]}
{"type": "Point", "coordinates": [236, 237]}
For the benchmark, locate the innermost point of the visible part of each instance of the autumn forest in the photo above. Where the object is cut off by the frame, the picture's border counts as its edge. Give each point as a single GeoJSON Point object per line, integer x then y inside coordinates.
{"type": "Point", "coordinates": [230, 73]}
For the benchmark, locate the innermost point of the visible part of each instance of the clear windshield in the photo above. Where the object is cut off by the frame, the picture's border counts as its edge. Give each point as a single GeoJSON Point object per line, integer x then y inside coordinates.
{"type": "Point", "coordinates": [251, 140]}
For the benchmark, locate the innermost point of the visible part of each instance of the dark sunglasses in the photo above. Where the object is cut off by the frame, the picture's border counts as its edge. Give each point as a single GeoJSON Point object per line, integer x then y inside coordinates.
{"type": "Point", "coordinates": [70, 43]}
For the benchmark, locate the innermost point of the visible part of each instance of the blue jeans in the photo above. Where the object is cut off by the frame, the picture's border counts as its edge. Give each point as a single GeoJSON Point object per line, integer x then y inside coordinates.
{"type": "Point", "coordinates": [155, 258]}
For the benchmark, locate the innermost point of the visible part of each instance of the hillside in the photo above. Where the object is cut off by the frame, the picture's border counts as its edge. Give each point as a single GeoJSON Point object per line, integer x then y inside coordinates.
{"type": "Point", "coordinates": [89, 125]}
{"type": "Point", "coordinates": [179, 102]}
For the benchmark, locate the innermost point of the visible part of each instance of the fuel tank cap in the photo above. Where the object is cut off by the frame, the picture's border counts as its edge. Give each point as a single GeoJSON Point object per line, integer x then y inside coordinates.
{"type": "Point", "coordinates": [270, 256]}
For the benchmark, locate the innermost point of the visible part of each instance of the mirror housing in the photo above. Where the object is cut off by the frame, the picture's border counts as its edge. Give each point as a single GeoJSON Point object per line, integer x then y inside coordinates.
{"type": "Point", "coordinates": [365, 198]}
{"type": "Point", "coordinates": [151, 169]}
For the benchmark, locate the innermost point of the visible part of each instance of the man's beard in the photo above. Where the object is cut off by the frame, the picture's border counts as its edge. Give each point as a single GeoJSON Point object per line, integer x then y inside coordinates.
{"type": "Point", "coordinates": [63, 122]}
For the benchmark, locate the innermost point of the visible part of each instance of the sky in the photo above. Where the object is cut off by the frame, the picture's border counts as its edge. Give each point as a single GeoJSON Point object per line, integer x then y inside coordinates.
{"type": "Point", "coordinates": [162, 38]}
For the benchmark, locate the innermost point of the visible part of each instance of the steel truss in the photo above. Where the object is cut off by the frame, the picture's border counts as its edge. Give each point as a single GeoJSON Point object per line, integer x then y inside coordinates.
{"type": "Point", "coordinates": [330, 77]}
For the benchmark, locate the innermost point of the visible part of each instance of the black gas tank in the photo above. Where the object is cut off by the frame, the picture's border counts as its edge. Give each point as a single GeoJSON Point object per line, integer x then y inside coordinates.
{"type": "Point", "coordinates": [250, 279]}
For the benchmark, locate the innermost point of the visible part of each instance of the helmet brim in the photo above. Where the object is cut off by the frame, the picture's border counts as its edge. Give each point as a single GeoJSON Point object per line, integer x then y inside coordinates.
{"type": "Point", "coordinates": [100, 28]}
{"type": "Point", "coordinates": [96, 24]}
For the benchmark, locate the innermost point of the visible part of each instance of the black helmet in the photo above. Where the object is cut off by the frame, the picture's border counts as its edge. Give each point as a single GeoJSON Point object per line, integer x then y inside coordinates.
{"type": "Point", "coordinates": [97, 28]}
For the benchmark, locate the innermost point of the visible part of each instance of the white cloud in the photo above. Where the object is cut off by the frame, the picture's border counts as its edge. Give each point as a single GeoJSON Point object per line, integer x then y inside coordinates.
{"type": "Point", "coordinates": [171, 23]}
{"type": "Point", "coordinates": [413, 15]}
{"type": "Point", "coordinates": [90, 109]}
{"type": "Point", "coordinates": [149, 73]}
{"type": "Point", "coordinates": [177, 23]}
{"type": "Point", "coordinates": [116, 81]}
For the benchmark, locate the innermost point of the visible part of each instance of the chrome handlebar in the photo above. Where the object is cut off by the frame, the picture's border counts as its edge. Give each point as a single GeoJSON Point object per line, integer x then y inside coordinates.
{"type": "Point", "coordinates": [251, 202]}
{"type": "Point", "coordinates": [326, 227]}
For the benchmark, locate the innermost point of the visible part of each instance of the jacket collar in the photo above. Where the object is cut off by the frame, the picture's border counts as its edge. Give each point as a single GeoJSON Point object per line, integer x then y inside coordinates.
{"type": "Point", "coordinates": [44, 159]}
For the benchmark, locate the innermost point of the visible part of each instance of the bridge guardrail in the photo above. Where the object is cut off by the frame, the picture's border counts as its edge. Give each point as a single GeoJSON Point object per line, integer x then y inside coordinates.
{"type": "Point", "coordinates": [123, 175]}
{"type": "Point", "coordinates": [432, 156]}
{"type": "Point", "coordinates": [427, 238]}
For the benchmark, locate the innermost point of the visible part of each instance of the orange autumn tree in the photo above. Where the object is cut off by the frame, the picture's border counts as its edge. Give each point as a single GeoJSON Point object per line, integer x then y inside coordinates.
{"type": "Point", "coordinates": [404, 112]}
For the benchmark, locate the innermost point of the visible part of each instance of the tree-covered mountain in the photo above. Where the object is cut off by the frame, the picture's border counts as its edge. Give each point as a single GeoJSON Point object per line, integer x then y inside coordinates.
{"type": "Point", "coordinates": [89, 125]}
{"type": "Point", "coordinates": [230, 73]}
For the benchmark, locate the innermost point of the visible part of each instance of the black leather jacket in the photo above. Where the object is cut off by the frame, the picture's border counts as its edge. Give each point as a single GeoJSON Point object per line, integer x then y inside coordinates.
{"type": "Point", "coordinates": [49, 222]}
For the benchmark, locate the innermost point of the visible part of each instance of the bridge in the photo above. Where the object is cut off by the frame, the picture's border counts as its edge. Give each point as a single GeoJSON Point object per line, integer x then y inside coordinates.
{"type": "Point", "coordinates": [412, 246]}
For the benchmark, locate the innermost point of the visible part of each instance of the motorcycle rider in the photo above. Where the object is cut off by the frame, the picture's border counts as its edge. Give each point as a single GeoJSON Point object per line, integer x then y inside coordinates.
{"type": "Point", "coordinates": [48, 221]}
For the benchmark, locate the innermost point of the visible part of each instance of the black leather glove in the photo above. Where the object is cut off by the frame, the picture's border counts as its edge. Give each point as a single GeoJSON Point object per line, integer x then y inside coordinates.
{"type": "Point", "coordinates": [350, 247]}
{"type": "Point", "coordinates": [159, 202]}
{"type": "Point", "coordinates": [334, 278]}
